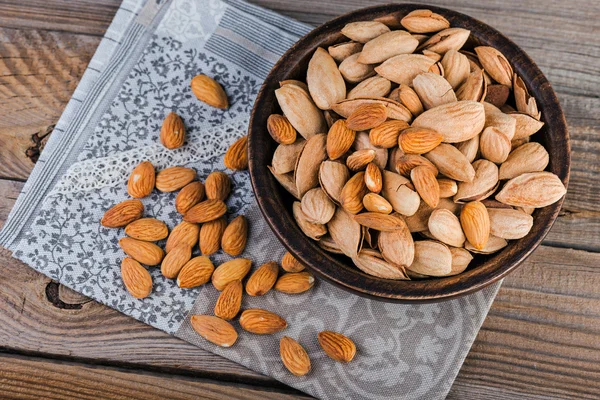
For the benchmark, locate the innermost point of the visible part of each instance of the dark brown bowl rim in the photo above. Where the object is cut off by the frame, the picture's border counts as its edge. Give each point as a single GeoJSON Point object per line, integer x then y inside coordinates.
{"type": "Point", "coordinates": [349, 277]}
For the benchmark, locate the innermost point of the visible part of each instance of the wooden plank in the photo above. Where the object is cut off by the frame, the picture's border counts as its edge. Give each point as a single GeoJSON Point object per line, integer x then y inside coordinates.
{"type": "Point", "coordinates": [35, 378]}
{"type": "Point", "coordinates": [81, 16]}
{"type": "Point", "coordinates": [38, 74]}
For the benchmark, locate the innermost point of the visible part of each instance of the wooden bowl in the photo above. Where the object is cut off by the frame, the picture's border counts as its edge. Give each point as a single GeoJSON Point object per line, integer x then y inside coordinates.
{"type": "Point", "coordinates": [275, 203]}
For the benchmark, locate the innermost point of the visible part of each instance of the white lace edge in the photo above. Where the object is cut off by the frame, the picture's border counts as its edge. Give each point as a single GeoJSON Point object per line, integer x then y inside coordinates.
{"type": "Point", "coordinates": [115, 169]}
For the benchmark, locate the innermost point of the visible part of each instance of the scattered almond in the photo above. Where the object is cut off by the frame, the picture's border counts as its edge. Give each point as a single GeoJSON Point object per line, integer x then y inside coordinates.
{"type": "Point", "coordinates": [217, 185]}
{"type": "Point", "coordinates": [295, 282]}
{"type": "Point", "coordinates": [172, 133]}
{"type": "Point", "coordinates": [290, 264]}
{"type": "Point", "coordinates": [209, 91]}
{"type": "Point", "coordinates": [206, 211]}
{"type": "Point", "coordinates": [236, 157]}
{"type": "Point", "coordinates": [230, 271]}
{"type": "Point", "coordinates": [210, 236]}
{"type": "Point", "coordinates": [174, 178]}
{"type": "Point", "coordinates": [175, 260]}
{"type": "Point", "coordinates": [184, 232]}
{"type": "Point", "coordinates": [294, 357]}
{"type": "Point", "coordinates": [214, 329]}
{"type": "Point", "coordinates": [229, 301]}
{"type": "Point", "coordinates": [263, 279]}
{"type": "Point", "coordinates": [144, 252]}
{"type": "Point", "coordinates": [195, 272]}
{"type": "Point", "coordinates": [147, 229]}
{"type": "Point", "coordinates": [122, 214]}
{"type": "Point", "coordinates": [261, 322]}
{"type": "Point", "coordinates": [141, 181]}
{"type": "Point", "coordinates": [235, 236]}
{"type": "Point", "coordinates": [136, 279]}
{"type": "Point", "coordinates": [189, 196]}
{"type": "Point", "coordinates": [337, 346]}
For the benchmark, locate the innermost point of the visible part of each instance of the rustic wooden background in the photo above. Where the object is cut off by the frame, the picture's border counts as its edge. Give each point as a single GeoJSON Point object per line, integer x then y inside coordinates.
{"type": "Point", "coordinates": [541, 339]}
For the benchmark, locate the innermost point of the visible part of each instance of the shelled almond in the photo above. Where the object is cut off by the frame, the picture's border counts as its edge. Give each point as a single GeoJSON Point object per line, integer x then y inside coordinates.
{"type": "Point", "coordinates": [420, 134]}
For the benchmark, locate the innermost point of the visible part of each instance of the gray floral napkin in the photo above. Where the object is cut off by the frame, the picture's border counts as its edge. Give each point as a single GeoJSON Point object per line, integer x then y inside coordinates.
{"type": "Point", "coordinates": [141, 72]}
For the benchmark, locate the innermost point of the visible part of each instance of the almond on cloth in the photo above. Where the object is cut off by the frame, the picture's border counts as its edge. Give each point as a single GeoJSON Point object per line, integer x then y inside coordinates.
{"type": "Point", "coordinates": [229, 301]}
{"type": "Point", "coordinates": [236, 157]}
{"type": "Point", "coordinates": [210, 235]}
{"type": "Point", "coordinates": [144, 252]}
{"type": "Point", "coordinates": [136, 279]}
{"type": "Point", "coordinates": [263, 279]}
{"type": "Point", "coordinates": [214, 329]}
{"type": "Point", "coordinates": [122, 214]}
{"type": "Point", "coordinates": [235, 236]}
{"type": "Point", "coordinates": [230, 271]}
{"type": "Point", "coordinates": [217, 186]}
{"type": "Point", "coordinates": [147, 229]}
{"type": "Point", "coordinates": [189, 196]}
{"type": "Point", "coordinates": [295, 282]}
{"type": "Point", "coordinates": [195, 272]}
{"type": "Point", "coordinates": [337, 346]}
{"type": "Point", "coordinates": [294, 357]}
{"type": "Point", "coordinates": [261, 322]}
{"type": "Point", "coordinates": [142, 180]}
{"type": "Point", "coordinates": [174, 178]}
{"type": "Point", "coordinates": [172, 133]}
{"type": "Point", "coordinates": [184, 232]}
{"type": "Point", "coordinates": [205, 211]}
{"type": "Point", "coordinates": [290, 264]}
{"type": "Point", "coordinates": [209, 91]}
{"type": "Point", "coordinates": [175, 260]}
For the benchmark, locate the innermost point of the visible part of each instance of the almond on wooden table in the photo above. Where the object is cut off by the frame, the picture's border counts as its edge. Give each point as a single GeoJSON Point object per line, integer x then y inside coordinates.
{"type": "Point", "coordinates": [172, 133]}
{"type": "Point", "coordinates": [295, 282]}
{"type": "Point", "coordinates": [229, 301]}
{"type": "Point", "coordinates": [142, 180]}
{"type": "Point", "coordinates": [261, 322]}
{"type": "Point", "coordinates": [235, 236]}
{"type": "Point", "coordinates": [337, 346]}
{"type": "Point", "coordinates": [144, 252]}
{"type": "Point", "coordinates": [294, 357]}
{"type": "Point", "coordinates": [263, 279]}
{"type": "Point", "coordinates": [174, 178]}
{"type": "Point", "coordinates": [214, 329]}
{"type": "Point", "coordinates": [195, 272]}
{"type": "Point", "coordinates": [136, 279]}
{"type": "Point", "coordinates": [209, 91]}
{"type": "Point", "coordinates": [148, 229]}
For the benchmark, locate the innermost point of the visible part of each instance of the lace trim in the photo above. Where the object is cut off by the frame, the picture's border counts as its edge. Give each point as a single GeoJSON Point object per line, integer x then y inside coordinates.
{"type": "Point", "coordinates": [110, 171]}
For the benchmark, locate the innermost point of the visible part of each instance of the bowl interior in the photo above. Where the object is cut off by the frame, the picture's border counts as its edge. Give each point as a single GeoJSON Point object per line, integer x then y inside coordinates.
{"type": "Point", "coordinates": [276, 203]}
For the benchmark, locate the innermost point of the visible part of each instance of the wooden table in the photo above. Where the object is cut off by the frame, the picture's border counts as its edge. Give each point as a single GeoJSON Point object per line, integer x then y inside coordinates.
{"type": "Point", "coordinates": [540, 340]}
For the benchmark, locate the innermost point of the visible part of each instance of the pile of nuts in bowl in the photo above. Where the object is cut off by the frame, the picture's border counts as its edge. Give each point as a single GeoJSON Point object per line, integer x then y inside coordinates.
{"type": "Point", "coordinates": [408, 153]}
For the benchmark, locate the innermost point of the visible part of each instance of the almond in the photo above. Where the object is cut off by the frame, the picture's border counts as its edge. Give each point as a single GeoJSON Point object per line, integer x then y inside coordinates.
{"type": "Point", "coordinates": [448, 188]}
{"type": "Point", "coordinates": [317, 207]}
{"type": "Point", "coordinates": [419, 140]}
{"type": "Point", "coordinates": [175, 260]}
{"type": "Point", "coordinates": [456, 68]}
{"type": "Point", "coordinates": [404, 200]}
{"type": "Point", "coordinates": [310, 229]}
{"type": "Point", "coordinates": [387, 45]}
{"type": "Point", "coordinates": [307, 168]}
{"type": "Point", "coordinates": [286, 181]}
{"type": "Point", "coordinates": [495, 64]}
{"type": "Point", "coordinates": [217, 186]}
{"type": "Point", "coordinates": [295, 282]}
{"type": "Point", "coordinates": [294, 357]}
{"type": "Point", "coordinates": [337, 346]}
{"type": "Point", "coordinates": [456, 121]}
{"type": "Point", "coordinates": [395, 110]}
{"type": "Point", "coordinates": [236, 157]}
{"type": "Point", "coordinates": [469, 148]}
{"type": "Point", "coordinates": [493, 245]}
{"type": "Point", "coordinates": [431, 258]}
{"type": "Point", "coordinates": [374, 265]}
{"type": "Point", "coordinates": [483, 185]}
{"type": "Point", "coordinates": [386, 134]}
{"type": "Point", "coordinates": [174, 178]}
{"type": "Point", "coordinates": [445, 227]}
{"type": "Point", "coordinates": [534, 189]}
{"type": "Point", "coordinates": [141, 181]}
{"type": "Point", "coordinates": [286, 156]}
{"type": "Point", "coordinates": [397, 247]}
{"type": "Point", "coordinates": [353, 192]}
{"type": "Point", "coordinates": [143, 252]}
{"type": "Point", "coordinates": [529, 157]}
{"type": "Point", "coordinates": [172, 133]}
{"type": "Point", "coordinates": [451, 162]}
{"type": "Point", "coordinates": [122, 214]}
{"type": "Point", "coordinates": [209, 91]}
{"type": "Point", "coordinates": [407, 162]}
{"type": "Point", "coordinates": [300, 110]}
{"type": "Point", "coordinates": [235, 236]}
{"type": "Point", "coordinates": [360, 159]}
{"type": "Point", "coordinates": [184, 232]}
{"type": "Point", "coordinates": [324, 80]}
{"type": "Point", "coordinates": [261, 322]}
{"type": "Point", "coordinates": [475, 221]}
{"type": "Point", "coordinates": [195, 272]}
{"type": "Point", "coordinates": [433, 90]}
{"type": "Point", "coordinates": [448, 39]}
{"type": "Point", "coordinates": [332, 177]}
{"type": "Point", "coordinates": [206, 211]}
{"type": "Point", "coordinates": [403, 68]}
{"type": "Point", "coordinates": [345, 232]}
{"type": "Point", "coordinates": [363, 31]}
{"type": "Point", "coordinates": [229, 301]}
{"type": "Point", "coordinates": [375, 86]}
{"type": "Point", "coordinates": [375, 203]}
{"type": "Point", "coordinates": [189, 196]}
{"type": "Point", "coordinates": [494, 145]}
{"type": "Point", "coordinates": [339, 139]}
{"type": "Point", "coordinates": [136, 279]}
{"type": "Point", "coordinates": [410, 99]}
{"type": "Point", "coordinates": [509, 224]}
{"type": "Point", "coordinates": [280, 129]}
{"type": "Point", "coordinates": [380, 222]}
{"type": "Point", "coordinates": [147, 229]}
{"type": "Point", "coordinates": [214, 329]}
{"type": "Point", "coordinates": [367, 116]}
{"type": "Point", "coordinates": [460, 260]}
{"type": "Point", "coordinates": [424, 21]}
{"type": "Point", "coordinates": [473, 88]}
{"type": "Point", "coordinates": [210, 236]}
{"type": "Point", "coordinates": [263, 279]}
{"type": "Point", "coordinates": [373, 178]}
{"type": "Point", "coordinates": [341, 51]}
{"type": "Point", "coordinates": [290, 264]}
{"type": "Point", "coordinates": [230, 271]}
{"type": "Point", "coordinates": [426, 185]}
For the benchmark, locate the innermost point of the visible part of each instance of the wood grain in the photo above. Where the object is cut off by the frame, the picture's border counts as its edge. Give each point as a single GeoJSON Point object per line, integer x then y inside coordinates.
{"type": "Point", "coordinates": [35, 378]}
{"type": "Point", "coordinates": [83, 16]}
{"type": "Point", "coordinates": [540, 339]}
